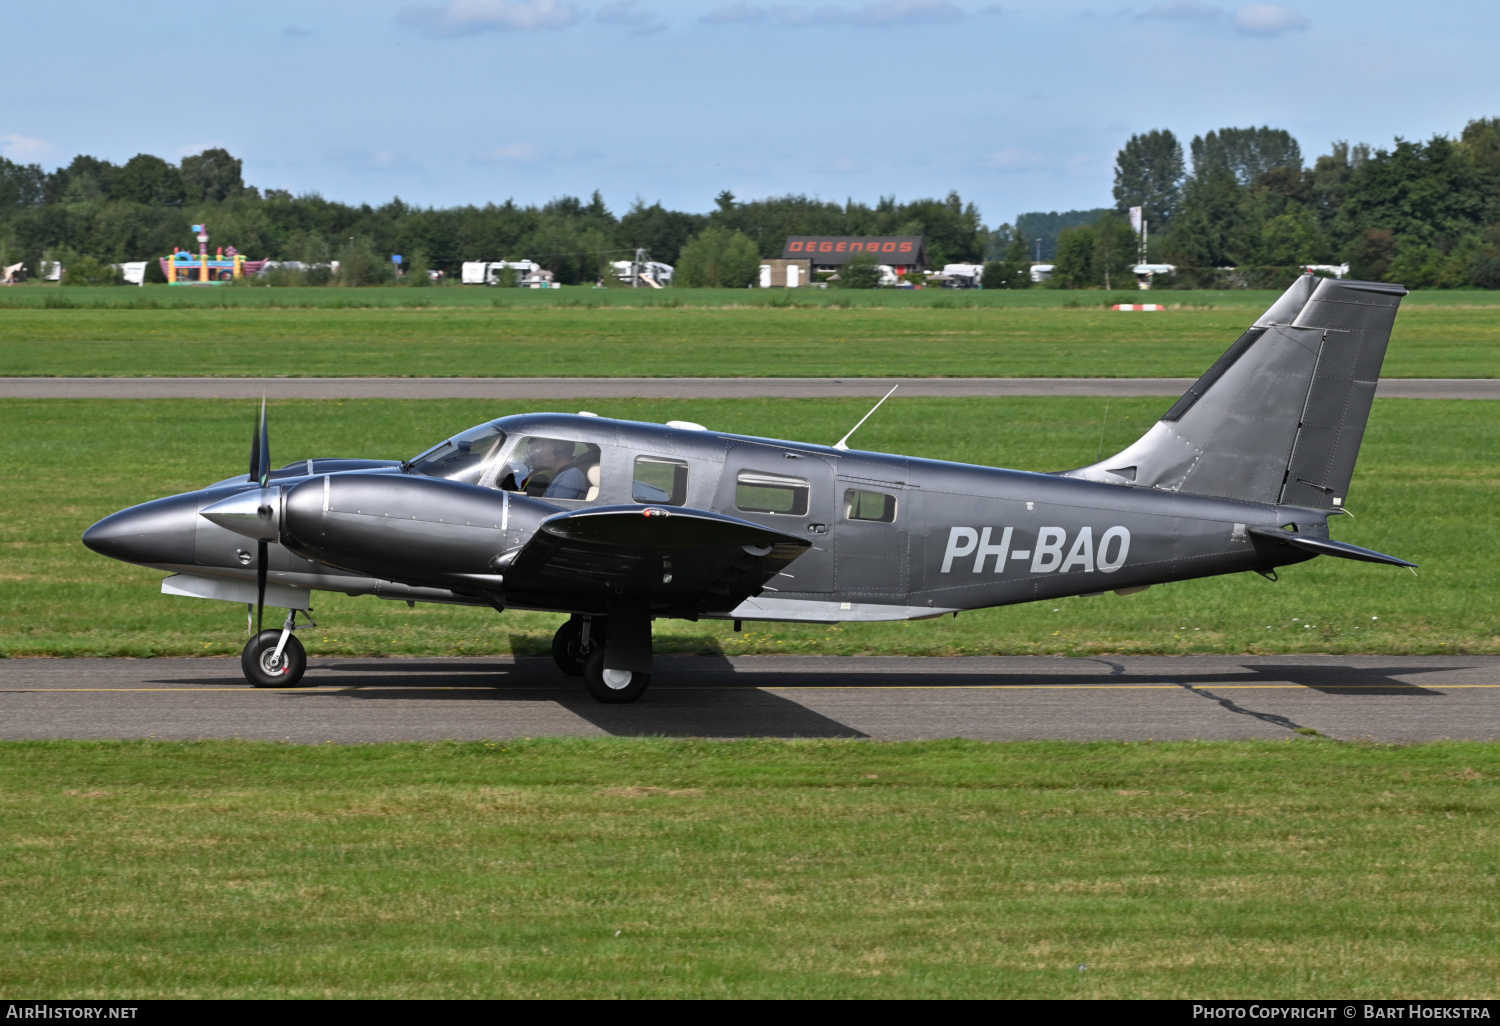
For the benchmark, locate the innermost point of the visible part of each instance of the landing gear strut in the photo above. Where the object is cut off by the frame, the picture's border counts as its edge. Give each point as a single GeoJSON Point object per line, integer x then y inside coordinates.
{"type": "Point", "coordinates": [575, 641]}
{"type": "Point", "coordinates": [275, 658]}
{"type": "Point", "coordinates": [583, 645]}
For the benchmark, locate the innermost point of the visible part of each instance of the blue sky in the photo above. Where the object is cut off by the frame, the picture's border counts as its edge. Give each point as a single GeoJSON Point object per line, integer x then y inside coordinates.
{"type": "Point", "coordinates": [1019, 106]}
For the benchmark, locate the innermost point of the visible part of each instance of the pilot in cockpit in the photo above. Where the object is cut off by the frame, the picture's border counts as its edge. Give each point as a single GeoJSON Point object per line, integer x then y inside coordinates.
{"type": "Point", "coordinates": [554, 475]}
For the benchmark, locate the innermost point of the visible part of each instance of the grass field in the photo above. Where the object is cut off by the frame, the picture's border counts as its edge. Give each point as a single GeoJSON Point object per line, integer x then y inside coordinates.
{"type": "Point", "coordinates": [1424, 490]}
{"type": "Point", "coordinates": [641, 868]}
{"type": "Point", "coordinates": [524, 340]}
{"type": "Point", "coordinates": [159, 297]}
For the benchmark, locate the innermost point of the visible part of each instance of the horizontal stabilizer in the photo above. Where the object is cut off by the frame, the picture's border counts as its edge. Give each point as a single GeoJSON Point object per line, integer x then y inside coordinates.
{"type": "Point", "coordinates": [1328, 547]}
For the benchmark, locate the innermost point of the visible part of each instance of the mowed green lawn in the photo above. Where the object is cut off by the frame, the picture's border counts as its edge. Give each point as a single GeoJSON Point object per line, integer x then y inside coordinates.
{"type": "Point", "coordinates": [898, 337]}
{"type": "Point", "coordinates": [1424, 490]}
{"type": "Point", "coordinates": [655, 868]}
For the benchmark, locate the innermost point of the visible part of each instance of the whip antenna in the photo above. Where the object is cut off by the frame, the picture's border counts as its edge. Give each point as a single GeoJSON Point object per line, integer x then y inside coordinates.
{"type": "Point", "coordinates": [842, 443]}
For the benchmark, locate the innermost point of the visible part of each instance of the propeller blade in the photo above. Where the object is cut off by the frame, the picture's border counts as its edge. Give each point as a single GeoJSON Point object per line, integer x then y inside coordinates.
{"type": "Point", "coordinates": [265, 446]}
{"type": "Point", "coordinates": [255, 454]}
{"type": "Point", "coordinates": [261, 557]}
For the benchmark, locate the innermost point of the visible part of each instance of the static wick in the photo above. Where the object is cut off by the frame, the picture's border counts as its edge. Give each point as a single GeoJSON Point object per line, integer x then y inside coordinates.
{"type": "Point", "coordinates": [843, 443]}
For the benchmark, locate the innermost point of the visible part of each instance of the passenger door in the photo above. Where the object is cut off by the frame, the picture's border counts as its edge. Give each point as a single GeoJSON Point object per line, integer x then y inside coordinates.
{"type": "Point", "coordinates": [871, 562]}
{"type": "Point", "coordinates": [761, 484]}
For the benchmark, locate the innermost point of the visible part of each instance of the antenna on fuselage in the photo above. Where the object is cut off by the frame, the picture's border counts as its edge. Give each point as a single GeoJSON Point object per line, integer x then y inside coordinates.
{"type": "Point", "coordinates": [842, 443]}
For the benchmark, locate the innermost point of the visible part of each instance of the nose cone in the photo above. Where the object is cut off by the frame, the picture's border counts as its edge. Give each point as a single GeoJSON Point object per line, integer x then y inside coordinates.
{"type": "Point", "coordinates": [153, 533]}
{"type": "Point", "coordinates": [251, 513]}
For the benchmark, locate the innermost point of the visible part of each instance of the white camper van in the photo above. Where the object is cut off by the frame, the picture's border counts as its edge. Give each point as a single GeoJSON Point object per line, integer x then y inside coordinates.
{"type": "Point", "coordinates": [488, 272]}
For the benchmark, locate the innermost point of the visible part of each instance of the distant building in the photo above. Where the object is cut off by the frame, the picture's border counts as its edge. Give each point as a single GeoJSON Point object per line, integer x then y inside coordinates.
{"type": "Point", "coordinates": [902, 253]}
{"type": "Point", "coordinates": [785, 273]}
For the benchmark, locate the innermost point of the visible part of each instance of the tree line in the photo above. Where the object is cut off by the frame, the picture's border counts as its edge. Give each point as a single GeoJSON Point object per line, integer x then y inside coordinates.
{"type": "Point", "coordinates": [1238, 207]}
{"type": "Point", "coordinates": [92, 212]}
{"type": "Point", "coordinates": [1425, 214]}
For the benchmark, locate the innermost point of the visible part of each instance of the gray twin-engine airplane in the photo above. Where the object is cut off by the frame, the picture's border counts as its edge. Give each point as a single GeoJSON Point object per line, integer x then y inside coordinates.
{"type": "Point", "coordinates": [619, 522]}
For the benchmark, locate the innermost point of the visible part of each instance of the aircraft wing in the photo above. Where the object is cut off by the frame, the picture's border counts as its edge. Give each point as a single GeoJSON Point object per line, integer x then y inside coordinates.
{"type": "Point", "coordinates": [674, 555]}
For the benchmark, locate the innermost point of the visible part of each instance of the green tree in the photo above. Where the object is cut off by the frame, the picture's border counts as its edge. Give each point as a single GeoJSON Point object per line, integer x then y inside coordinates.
{"type": "Point", "coordinates": [1014, 271]}
{"type": "Point", "coordinates": [718, 258]}
{"type": "Point", "coordinates": [1426, 193]}
{"type": "Point", "coordinates": [861, 272]}
{"type": "Point", "coordinates": [417, 267]}
{"type": "Point", "coordinates": [1074, 266]}
{"type": "Point", "coordinates": [360, 265]}
{"type": "Point", "coordinates": [1371, 254]}
{"type": "Point", "coordinates": [1148, 174]}
{"type": "Point", "coordinates": [1291, 238]}
{"type": "Point", "coordinates": [1116, 247]}
{"type": "Point", "coordinates": [86, 270]}
{"type": "Point", "coordinates": [663, 232]}
{"type": "Point", "coordinates": [1245, 153]}
{"type": "Point", "coordinates": [213, 176]}
{"type": "Point", "coordinates": [1210, 229]}
{"type": "Point", "coordinates": [149, 181]}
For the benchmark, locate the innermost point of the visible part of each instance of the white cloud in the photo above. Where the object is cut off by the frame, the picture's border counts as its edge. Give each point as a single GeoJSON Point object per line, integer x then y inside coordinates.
{"type": "Point", "coordinates": [876, 14]}
{"type": "Point", "coordinates": [24, 148]}
{"type": "Point", "coordinates": [471, 17]}
{"type": "Point", "coordinates": [627, 15]}
{"type": "Point", "coordinates": [524, 153]}
{"type": "Point", "coordinates": [1268, 20]}
{"type": "Point", "coordinates": [1182, 10]}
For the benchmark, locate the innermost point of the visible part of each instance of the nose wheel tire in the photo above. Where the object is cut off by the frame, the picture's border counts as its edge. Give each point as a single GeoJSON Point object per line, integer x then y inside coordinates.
{"type": "Point", "coordinates": [613, 687]}
{"type": "Point", "coordinates": [265, 669]}
{"type": "Point", "coordinates": [568, 650]}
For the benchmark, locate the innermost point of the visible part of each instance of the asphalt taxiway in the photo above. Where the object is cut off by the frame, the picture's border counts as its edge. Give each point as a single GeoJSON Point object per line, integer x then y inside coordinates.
{"type": "Point", "coordinates": [351, 701]}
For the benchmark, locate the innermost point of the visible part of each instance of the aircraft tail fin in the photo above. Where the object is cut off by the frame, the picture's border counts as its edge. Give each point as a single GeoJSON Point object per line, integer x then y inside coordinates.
{"type": "Point", "coordinates": [1280, 416]}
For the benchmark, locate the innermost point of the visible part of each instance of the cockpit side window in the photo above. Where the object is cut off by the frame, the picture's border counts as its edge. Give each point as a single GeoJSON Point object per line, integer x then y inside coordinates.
{"type": "Point", "coordinates": [462, 457]}
{"type": "Point", "coordinates": [874, 506]}
{"type": "Point", "coordinates": [552, 468]}
{"type": "Point", "coordinates": [660, 481]}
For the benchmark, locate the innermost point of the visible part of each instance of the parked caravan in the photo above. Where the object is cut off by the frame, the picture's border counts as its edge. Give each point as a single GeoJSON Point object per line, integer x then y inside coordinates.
{"type": "Point", "coordinates": [489, 272]}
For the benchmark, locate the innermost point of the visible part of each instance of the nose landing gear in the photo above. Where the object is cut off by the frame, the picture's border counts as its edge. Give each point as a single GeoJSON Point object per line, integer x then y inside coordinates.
{"type": "Point", "coordinates": [276, 659]}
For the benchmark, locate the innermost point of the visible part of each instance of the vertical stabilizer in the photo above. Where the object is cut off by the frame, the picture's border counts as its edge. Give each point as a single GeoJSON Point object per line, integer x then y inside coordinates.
{"type": "Point", "coordinates": [1280, 416]}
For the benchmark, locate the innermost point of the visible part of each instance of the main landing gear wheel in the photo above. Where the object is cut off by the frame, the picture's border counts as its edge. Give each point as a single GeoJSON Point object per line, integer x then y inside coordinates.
{"type": "Point", "coordinates": [265, 669]}
{"type": "Point", "coordinates": [568, 649]}
{"type": "Point", "coordinates": [613, 687]}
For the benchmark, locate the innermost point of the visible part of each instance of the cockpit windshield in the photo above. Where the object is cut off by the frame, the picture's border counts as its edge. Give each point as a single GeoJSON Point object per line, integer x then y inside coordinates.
{"type": "Point", "coordinates": [460, 458]}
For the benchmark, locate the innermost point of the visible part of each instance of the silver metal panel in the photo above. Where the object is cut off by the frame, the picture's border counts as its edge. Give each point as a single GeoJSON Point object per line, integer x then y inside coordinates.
{"type": "Point", "coordinates": [768, 607]}
{"type": "Point", "coordinates": [278, 595]}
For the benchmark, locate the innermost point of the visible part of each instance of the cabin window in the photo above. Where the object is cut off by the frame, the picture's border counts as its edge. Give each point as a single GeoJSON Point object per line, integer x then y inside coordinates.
{"type": "Point", "coordinates": [755, 492]}
{"type": "Point", "coordinates": [462, 457]}
{"type": "Point", "coordinates": [552, 468]}
{"type": "Point", "coordinates": [660, 481]}
{"type": "Point", "coordinates": [875, 506]}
